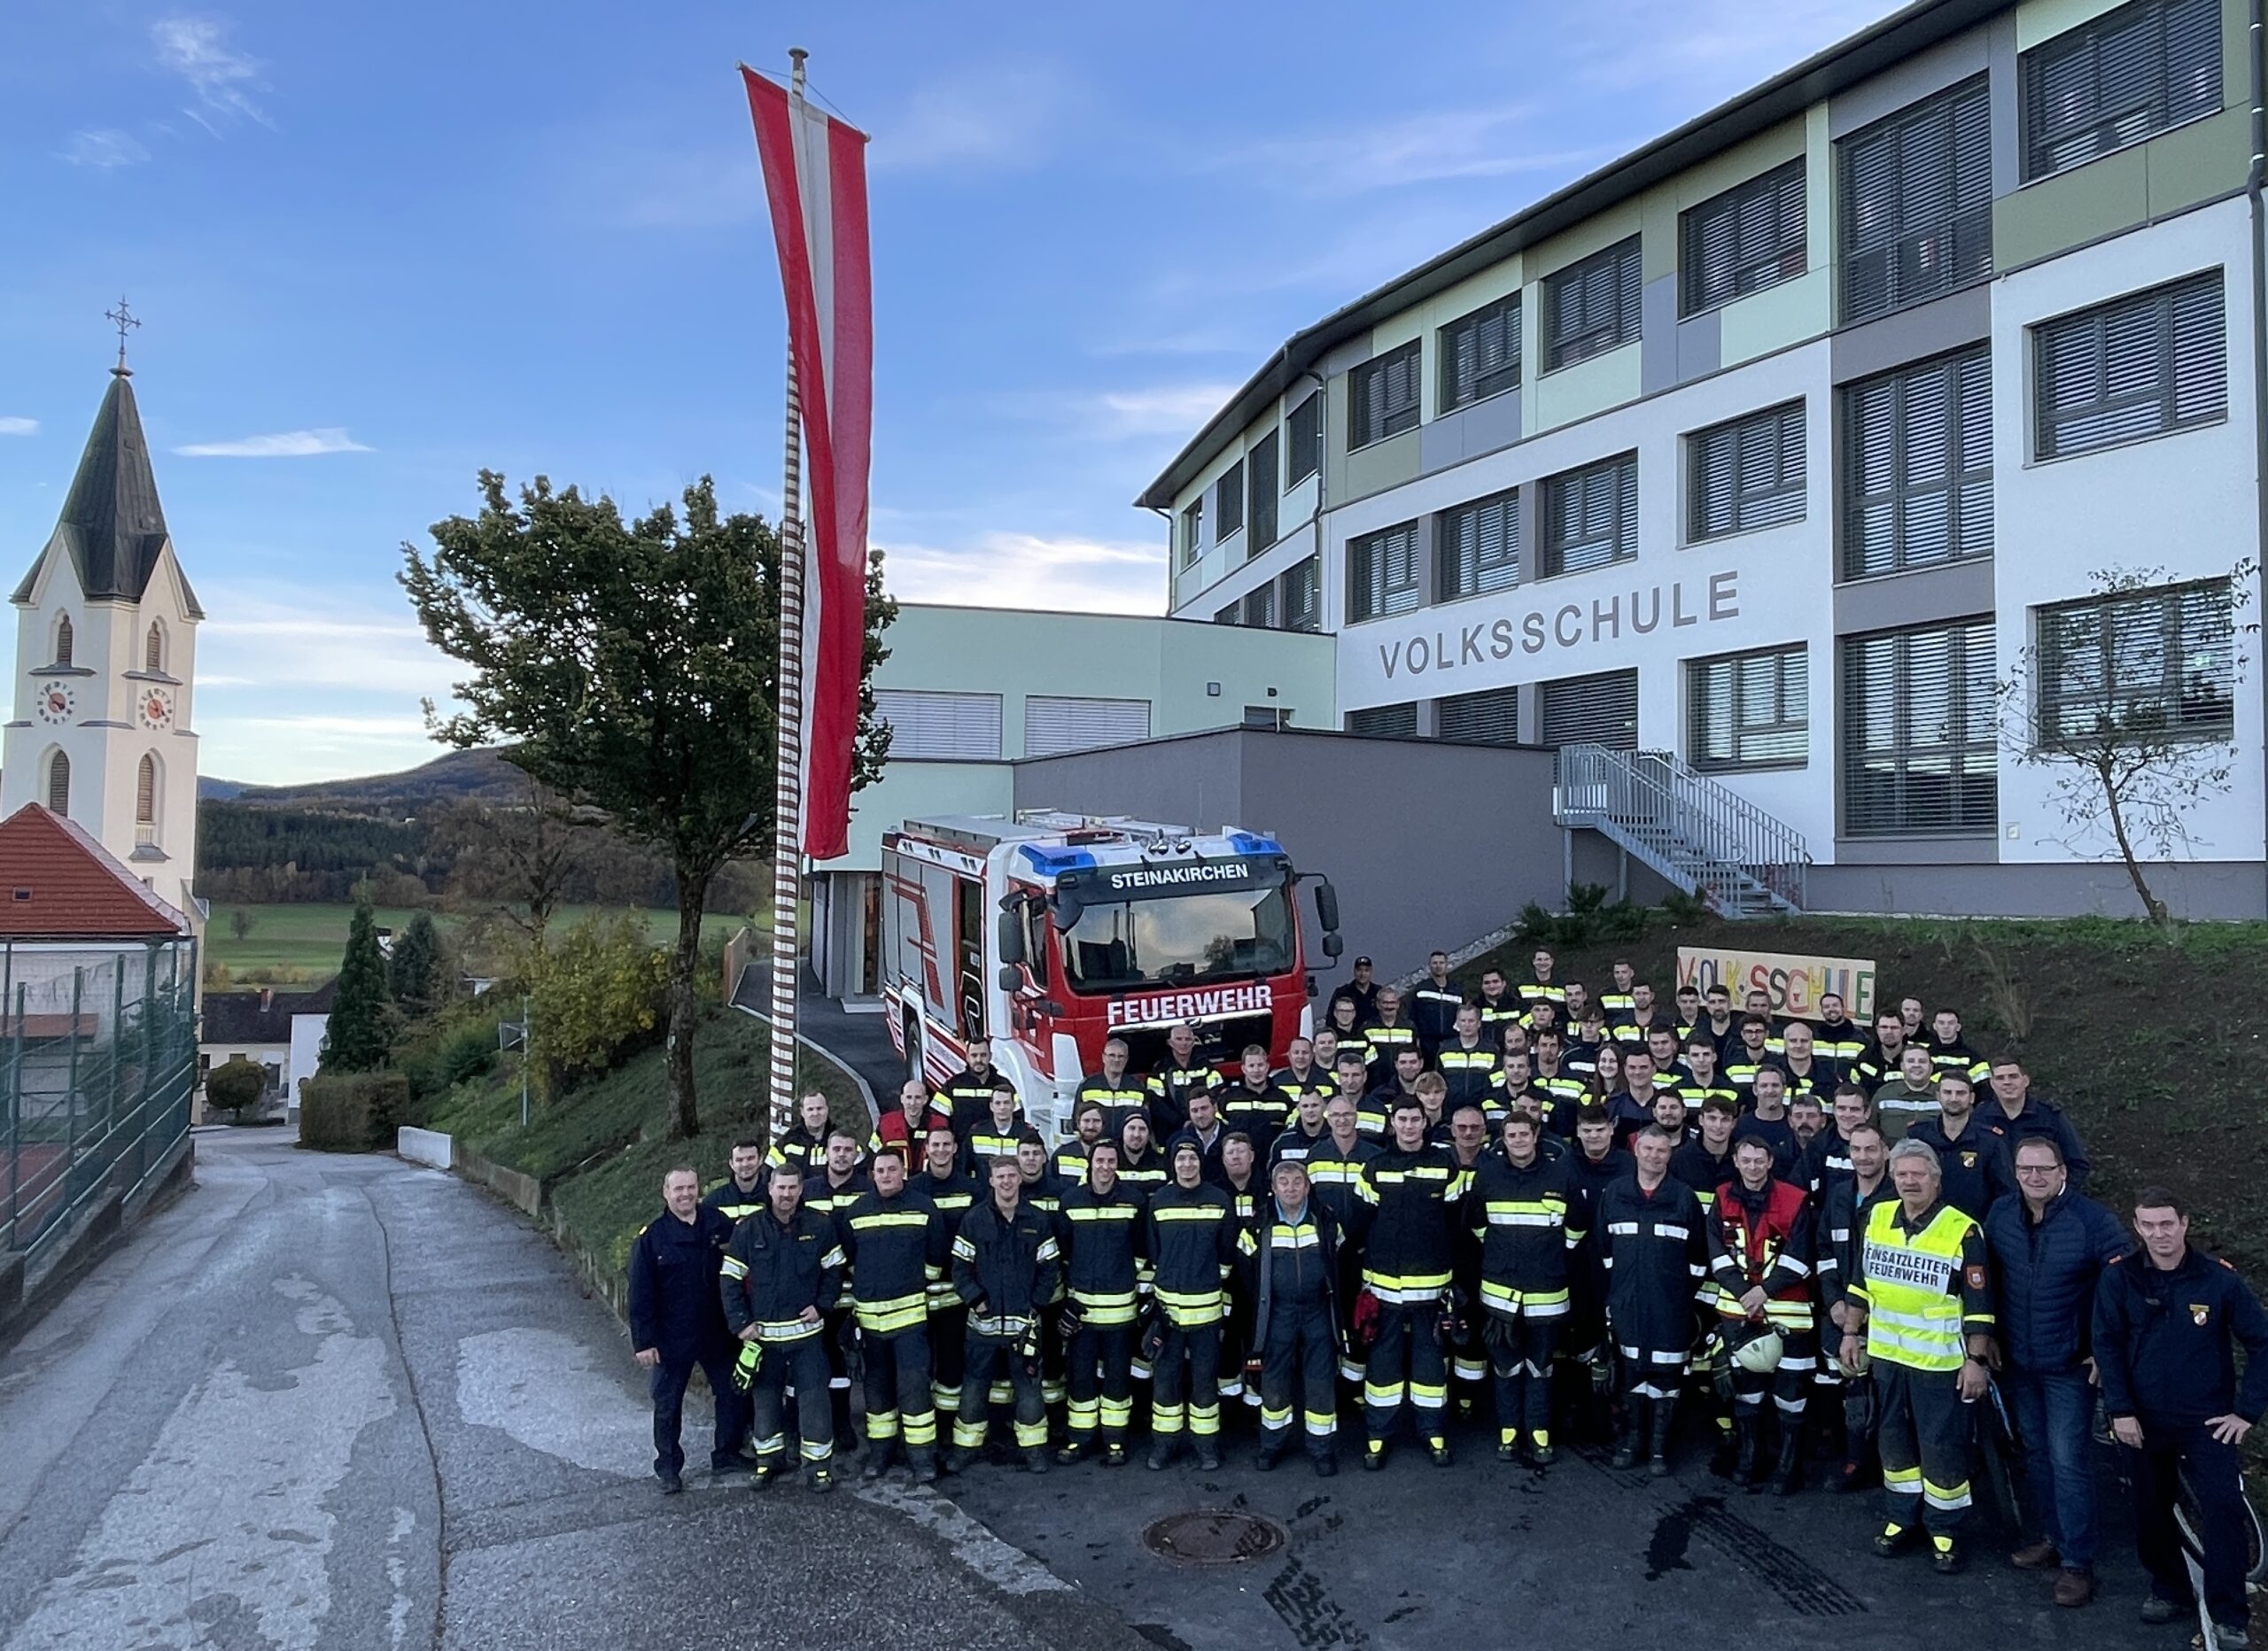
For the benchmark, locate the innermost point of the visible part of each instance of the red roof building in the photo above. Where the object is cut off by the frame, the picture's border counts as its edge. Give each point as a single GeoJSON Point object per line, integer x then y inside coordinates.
{"type": "Point", "coordinates": [57, 883]}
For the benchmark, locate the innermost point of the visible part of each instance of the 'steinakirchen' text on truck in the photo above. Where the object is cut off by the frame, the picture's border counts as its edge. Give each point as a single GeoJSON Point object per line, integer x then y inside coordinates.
{"type": "Point", "coordinates": [1051, 932]}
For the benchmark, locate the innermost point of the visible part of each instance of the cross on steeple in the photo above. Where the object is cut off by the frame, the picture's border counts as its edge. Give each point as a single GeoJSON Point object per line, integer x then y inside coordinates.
{"type": "Point", "coordinates": [121, 318]}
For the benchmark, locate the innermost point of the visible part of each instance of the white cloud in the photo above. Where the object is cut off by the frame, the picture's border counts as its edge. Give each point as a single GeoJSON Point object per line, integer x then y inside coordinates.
{"type": "Point", "coordinates": [280, 637]}
{"type": "Point", "coordinates": [997, 115]}
{"type": "Point", "coordinates": [297, 749]}
{"type": "Point", "coordinates": [103, 148]}
{"type": "Point", "coordinates": [1161, 409]}
{"type": "Point", "coordinates": [1005, 570]}
{"type": "Point", "coordinates": [291, 443]}
{"type": "Point", "coordinates": [19, 427]}
{"type": "Point", "coordinates": [1435, 147]}
{"type": "Point", "coordinates": [221, 78]}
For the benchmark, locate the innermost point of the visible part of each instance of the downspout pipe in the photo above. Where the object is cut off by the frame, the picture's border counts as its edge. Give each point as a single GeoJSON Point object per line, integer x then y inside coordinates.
{"type": "Point", "coordinates": [2255, 179]}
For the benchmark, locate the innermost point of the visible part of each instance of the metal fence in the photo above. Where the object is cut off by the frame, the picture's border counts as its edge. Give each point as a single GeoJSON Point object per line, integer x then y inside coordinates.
{"type": "Point", "coordinates": [97, 1065]}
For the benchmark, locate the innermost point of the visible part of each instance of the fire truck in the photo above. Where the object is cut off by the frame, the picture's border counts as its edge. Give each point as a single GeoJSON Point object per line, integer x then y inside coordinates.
{"type": "Point", "coordinates": [1050, 932]}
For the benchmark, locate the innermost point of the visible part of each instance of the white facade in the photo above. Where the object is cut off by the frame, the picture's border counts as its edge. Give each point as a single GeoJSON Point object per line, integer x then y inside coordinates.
{"type": "Point", "coordinates": [2060, 235]}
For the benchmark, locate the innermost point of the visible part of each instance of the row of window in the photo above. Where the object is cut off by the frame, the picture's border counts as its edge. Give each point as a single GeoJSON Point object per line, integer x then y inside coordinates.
{"type": "Point", "coordinates": [153, 644]}
{"type": "Point", "coordinates": [932, 726]}
{"type": "Point", "coordinates": [1915, 481]}
{"type": "Point", "coordinates": [145, 794]}
{"type": "Point", "coordinates": [1920, 707]}
{"type": "Point", "coordinates": [1917, 223]}
{"type": "Point", "coordinates": [1291, 601]}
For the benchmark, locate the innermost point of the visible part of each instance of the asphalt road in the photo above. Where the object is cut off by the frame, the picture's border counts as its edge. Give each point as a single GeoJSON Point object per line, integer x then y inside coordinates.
{"type": "Point", "coordinates": [347, 1401]}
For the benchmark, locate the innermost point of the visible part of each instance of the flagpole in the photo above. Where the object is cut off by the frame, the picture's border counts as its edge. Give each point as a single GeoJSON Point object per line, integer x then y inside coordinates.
{"type": "Point", "coordinates": [787, 856]}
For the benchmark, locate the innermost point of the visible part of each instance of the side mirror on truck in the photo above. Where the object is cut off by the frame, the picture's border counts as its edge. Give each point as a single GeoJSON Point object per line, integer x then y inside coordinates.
{"type": "Point", "coordinates": [1012, 935]}
{"type": "Point", "coordinates": [1326, 907]}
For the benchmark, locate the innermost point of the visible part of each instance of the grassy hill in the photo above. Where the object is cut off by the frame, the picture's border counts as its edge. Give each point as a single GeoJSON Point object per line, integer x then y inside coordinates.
{"type": "Point", "coordinates": [300, 944]}
{"type": "Point", "coordinates": [454, 774]}
{"type": "Point", "coordinates": [2152, 1045]}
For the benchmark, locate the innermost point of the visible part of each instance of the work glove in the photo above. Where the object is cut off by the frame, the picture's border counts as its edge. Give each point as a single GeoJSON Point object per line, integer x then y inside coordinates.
{"type": "Point", "coordinates": [1068, 1321]}
{"type": "Point", "coordinates": [745, 1367]}
{"type": "Point", "coordinates": [1366, 1319]}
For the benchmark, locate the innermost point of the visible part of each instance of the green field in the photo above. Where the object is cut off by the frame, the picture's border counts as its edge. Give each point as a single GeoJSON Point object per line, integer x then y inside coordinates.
{"type": "Point", "coordinates": [300, 945]}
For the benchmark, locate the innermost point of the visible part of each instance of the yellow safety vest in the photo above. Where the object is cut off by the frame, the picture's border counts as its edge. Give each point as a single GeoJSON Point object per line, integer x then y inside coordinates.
{"type": "Point", "coordinates": [1912, 1288]}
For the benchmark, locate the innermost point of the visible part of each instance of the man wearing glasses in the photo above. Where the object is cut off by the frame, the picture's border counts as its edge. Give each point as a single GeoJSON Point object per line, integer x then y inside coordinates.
{"type": "Point", "coordinates": [2048, 1245]}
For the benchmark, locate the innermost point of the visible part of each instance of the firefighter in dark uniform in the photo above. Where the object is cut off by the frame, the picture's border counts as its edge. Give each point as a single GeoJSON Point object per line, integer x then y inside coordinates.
{"type": "Point", "coordinates": [1541, 987]}
{"type": "Point", "coordinates": [997, 1136]}
{"type": "Point", "coordinates": [1844, 1205]}
{"type": "Point", "coordinates": [890, 1239]}
{"type": "Point", "coordinates": [1303, 1135]}
{"type": "Point", "coordinates": [1760, 1249]}
{"type": "Point", "coordinates": [1466, 1062]}
{"type": "Point", "coordinates": [1118, 1091]}
{"type": "Point", "coordinates": [1974, 1161]}
{"type": "Point", "coordinates": [1006, 1268]}
{"type": "Point", "coordinates": [1918, 1311]}
{"type": "Point", "coordinates": [1500, 1006]}
{"type": "Point", "coordinates": [2167, 1325]}
{"type": "Point", "coordinates": [676, 1323]}
{"type": "Point", "coordinates": [1595, 1164]}
{"type": "Point", "coordinates": [964, 1099]}
{"type": "Point", "coordinates": [1523, 1207]}
{"type": "Point", "coordinates": [1252, 1103]}
{"type": "Point", "coordinates": [741, 1193]}
{"type": "Point", "coordinates": [1433, 1004]}
{"type": "Point", "coordinates": [1088, 1122]}
{"type": "Point", "coordinates": [1044, 1190]}
{"type": "Point", "coordinates": [1409, 1195]}
{"type": "Point", "coordinates": [951, 1192]}
{"type": "Point", "coordinates": [1141, 1167]}
{"type": "Point", "coordinates": [1294, 1269]}
{"type": "Point", "coordinates": [835, 1182]}
{"type": "Point", "coordinates": [1301, 1074]}
{"type": "Point", "coordinates": [1388, 1033]}
{"type": "Point", "coordinates": [1334, 1176]}
{"type": "Point", "coordinates": [1192, 1238]}
{"type": "Point", "coordinates": [1102, 1232]}
{"type": "Point", "coordinates": [782, 1274]}
{"type": "Point", "coordinates": [804, 1148]}
{"type": "Point", "coordinates": [1169, 1085]}
{"type": "Point", "coordinates": [1654, 1249]}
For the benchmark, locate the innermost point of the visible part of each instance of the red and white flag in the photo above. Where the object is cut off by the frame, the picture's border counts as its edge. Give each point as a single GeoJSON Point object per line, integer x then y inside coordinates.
{"type": "Point", "coordinates": [815, 176]}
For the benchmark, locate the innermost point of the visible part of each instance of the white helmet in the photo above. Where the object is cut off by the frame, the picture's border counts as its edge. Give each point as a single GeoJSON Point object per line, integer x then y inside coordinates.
{"type": "Point", "coordinates": [1759, 1354]}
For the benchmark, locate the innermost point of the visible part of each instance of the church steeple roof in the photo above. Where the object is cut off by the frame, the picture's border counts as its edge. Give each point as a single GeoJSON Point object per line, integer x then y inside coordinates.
{"type": "Point", "coordinates": [112, 526]}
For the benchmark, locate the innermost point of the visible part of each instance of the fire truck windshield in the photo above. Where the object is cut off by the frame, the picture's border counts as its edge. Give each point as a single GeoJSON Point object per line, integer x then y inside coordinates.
{"type": "Point", "coordinates": [1175, 939]}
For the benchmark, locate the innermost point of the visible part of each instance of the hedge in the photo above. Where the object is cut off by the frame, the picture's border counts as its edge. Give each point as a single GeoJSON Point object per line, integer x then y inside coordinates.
{"type": "Point", "coordinates": [352, 1111]}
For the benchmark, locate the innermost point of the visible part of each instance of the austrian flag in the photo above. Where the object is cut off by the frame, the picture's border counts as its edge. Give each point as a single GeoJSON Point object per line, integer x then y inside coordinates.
{"type": "Point", "coordinates": [815, 177]}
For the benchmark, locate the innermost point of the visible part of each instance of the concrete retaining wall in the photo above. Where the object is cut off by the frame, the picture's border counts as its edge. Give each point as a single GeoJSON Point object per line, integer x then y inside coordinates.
{"type": "Point", "coordinates": [425, 1146]}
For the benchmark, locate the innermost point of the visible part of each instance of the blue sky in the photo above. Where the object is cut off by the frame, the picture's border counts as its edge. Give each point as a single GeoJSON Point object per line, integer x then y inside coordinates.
{"type": "Point", "coordinates": [380, 246]}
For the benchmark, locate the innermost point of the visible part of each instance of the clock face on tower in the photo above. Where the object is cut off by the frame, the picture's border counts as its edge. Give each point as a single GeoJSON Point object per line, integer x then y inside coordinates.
{"type": "Point", "coordinates": [56, 702]}
{"type": "Point", "coordinates": [157, 708]}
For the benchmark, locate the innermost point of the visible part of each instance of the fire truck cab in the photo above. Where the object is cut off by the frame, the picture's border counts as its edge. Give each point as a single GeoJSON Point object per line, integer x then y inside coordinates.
{"type": "Point", "coordinates": [1051, 932]}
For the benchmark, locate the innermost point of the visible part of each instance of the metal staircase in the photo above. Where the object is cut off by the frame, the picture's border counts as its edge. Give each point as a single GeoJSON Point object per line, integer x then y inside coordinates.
{"type": "Point", "coordinates": [1694, 832]}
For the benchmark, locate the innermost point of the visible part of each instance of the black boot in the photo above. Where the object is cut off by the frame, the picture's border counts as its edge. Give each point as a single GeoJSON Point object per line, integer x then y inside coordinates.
{"type": "Point", "coordinates": [1625, 1436]}
{"type": "Point", "coordinates": [1745, 1428]}
{"type": "Point", "coordinates": [1791, 1470]}
{"type": "Point", "coordinates": [1658, 1460]}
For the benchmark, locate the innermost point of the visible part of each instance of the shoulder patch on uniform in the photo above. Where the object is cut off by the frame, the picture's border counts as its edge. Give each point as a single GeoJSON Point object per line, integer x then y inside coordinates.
{"type": "Point", "coordinates": [1976, 1277]}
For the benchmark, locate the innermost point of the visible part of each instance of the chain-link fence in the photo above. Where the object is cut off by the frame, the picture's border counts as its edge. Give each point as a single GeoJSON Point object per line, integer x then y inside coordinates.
{"type": "Point", "coordinates": [98, 1063]}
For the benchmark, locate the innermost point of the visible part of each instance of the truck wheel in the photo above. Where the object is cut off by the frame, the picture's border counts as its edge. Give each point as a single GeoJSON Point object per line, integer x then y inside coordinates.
{"type": "Point", "coordinates": [913, 1064]}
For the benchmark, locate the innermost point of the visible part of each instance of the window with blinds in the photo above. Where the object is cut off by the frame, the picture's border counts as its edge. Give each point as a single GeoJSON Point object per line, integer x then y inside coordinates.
{"type": "Point", "coordinates": [1745, 475]}
{"type": "Point", "coordinates": [1590, 516]}
{"type": "Point", "coordinates": [929, 726]}
{"type": "Point", "coordinates": [1382, 397]}
{"type": "Point", "coordinates": [1396, 722]}
{"type": "Point", "coordinates": [1748, 238]}
{"type": "Point", "coordinates": [1920, 753]}
{"type": "Point", "coordinates": [2145, 365]}
{"type": "Point", "coordinates": [1918, 203]}
{"type": "Point", "coordinates": [2126, 75]}
{"type": "Point", "coordinates": [1480, 353]}
{"type": "Point", "coordinates": [1478, 547]}
{"type": "Point", "coordinates": [1382, 573]}
{"type": "Point", "coordinates": [1192, 530]}
{"type": "Point", "coordinates": [1600, 709]}
{"type": "Point", "coordinates": [1487, 719]}
{"type": "Point", "coordinates": [1917, 466]}
{"type": "Point", "coordinates": [1303, 595]}
{"type": "Point", "coordinates": [1593, 307]}
{"type": "Point", "coordinates": [1749, 711]}
{"type": "Point", "coordinates": [1262, 482]}
{"type": "Point", "coordinates": [1054, 725]}
{"type": "Point", "coordinates": [1303, 441]}
{"type": "Point", "coordinates": [1260, 607]}
{"type": "Point", "coordinates": [2140, 664]}
{"type": "Point", "coordinates": [1228, 502]}
{"type": "Point", "coordinates": [1234, 614]}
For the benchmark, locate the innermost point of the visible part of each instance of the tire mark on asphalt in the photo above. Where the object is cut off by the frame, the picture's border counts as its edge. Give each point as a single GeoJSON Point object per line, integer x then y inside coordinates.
{"type": "Point", "coordinates": [1299, 1599]}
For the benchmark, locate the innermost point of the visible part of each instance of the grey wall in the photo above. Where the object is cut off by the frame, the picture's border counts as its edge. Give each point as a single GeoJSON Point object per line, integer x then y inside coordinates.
{"type": "Point", "coordinates": [1428, 844]}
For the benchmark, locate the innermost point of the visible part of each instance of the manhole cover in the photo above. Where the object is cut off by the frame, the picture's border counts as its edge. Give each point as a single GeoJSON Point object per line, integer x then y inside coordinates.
{"type": "Point", "coordinates": [1211, 1536]}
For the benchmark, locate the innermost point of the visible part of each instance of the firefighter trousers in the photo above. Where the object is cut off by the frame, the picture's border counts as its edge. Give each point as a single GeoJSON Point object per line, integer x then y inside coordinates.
{"type": "Point", "coordinates": [1924, 1440]}
{"type": "Point", "coordinates": [899, 1406]}
{"type": "Point", "coordinates": [1184, 1384]}
{"type": "Point", "coordinates": [948, 1339]}
{"type": "Point", "coordinates": [1406, 1364]}
{"type": "Point", "coordinates": [801, 1365]}
{"type": "Point", "coordinates": [1300, 1363]}
{"type": "Point", "coordinates": [1100, 1378]}
{"type": "Point", "coordinates": [1519, 1354]}
{"type": "Point", "coordinates": [1790, 1386]}
{"type": "Point", "coordinates": [987, 1361]}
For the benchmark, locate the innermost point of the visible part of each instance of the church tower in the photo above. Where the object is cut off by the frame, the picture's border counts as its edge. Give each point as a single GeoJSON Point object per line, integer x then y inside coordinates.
{"type": "Point", "coordinates": [105, 664]}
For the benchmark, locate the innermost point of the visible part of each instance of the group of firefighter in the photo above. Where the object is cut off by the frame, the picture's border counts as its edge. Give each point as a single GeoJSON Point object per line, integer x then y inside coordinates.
{"type": "Point", "coordinates": [1563, 1209]}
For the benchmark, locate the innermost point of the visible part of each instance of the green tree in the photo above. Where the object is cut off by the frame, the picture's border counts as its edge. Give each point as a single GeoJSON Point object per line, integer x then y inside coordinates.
{"type": "Point", "coordinates": [632, 666]}
{"type": "Point", "coordinates": [360, 1029]}
{"type": "Point", "coordinates": [411, 967]}
{"type": "Point", "coordinates": [234, 1085]}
